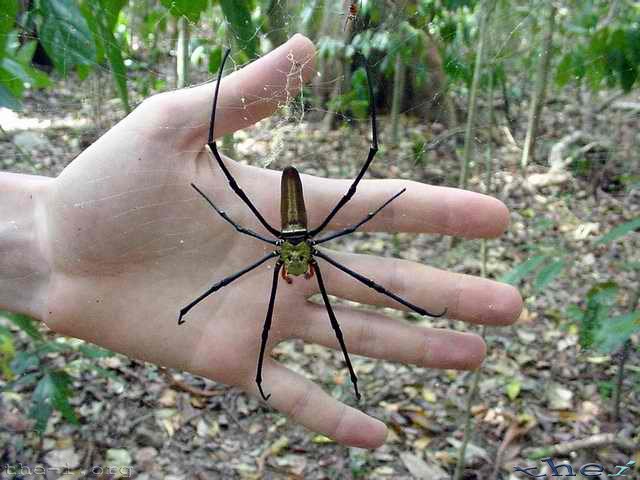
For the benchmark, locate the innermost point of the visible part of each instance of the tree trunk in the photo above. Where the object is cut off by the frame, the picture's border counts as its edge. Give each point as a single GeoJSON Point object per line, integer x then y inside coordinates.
{"type": "Point", "coordinates": [342, 72]}
{"type": "Point", "coordinates": [398, 90]}
{"type": "Point", "coordinates": [319, 94]}
{"type": "Point", "coordinates": [473, 391]}
{"type": "Point", "coordinates": [486, 8]}
{"type": "Point", "coordinates": [540, 89]}
{"type": "Point", "coordinates": [182, 56]}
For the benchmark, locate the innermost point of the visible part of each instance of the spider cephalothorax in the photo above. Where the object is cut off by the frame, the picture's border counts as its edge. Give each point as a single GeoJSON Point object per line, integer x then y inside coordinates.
{"type": "Point", "coordinates": [295, 245]}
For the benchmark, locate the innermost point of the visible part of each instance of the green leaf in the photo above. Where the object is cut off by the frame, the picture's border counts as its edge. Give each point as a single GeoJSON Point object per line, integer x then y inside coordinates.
{"type": "Point", "coordinates": [8, 15]}
{"type": "Point", "coordinates": [603, 293]}
{"type": "Point", "coordinates": [24, 73]}
{"type": "Point", "coordinates": [617, 330]}
{"type": "Point", "coordinates": [238, 15]}
{"type": "Point", "coordinates": [548, 273]}
{"type": "Point", "coordinates": [10, 81]}
{"type": "Point", "coordinates": [52, 391]}
{"type": "Point", "coordinates": [65, 35]}
{"type": "Point", "coordinates": [7, 353]}
{"type": "Point", "coordinates": [513, 389]}
{"type": "Point", "coordinates": [24, 361]}
{"type": "Point", "coordinates": [191, 9]}
{"type": "Point", "coordinates": [114, 53]}
{"type": "Point", "coordinates": [25, 323]}
{"type": "Point", "coordinates": [8, 100]}
{"type": "Point", "coordinates": [111, 9]}
{"type": "Point", "coordinates": [619, 231]}
{"type": "Point", "coordinates": [23, 56]}
{"type": "Point", "coordinates": [92, 351]}
{"type": "Point", "coordinates": [564, 70]}
{"type": "Point", "coordinates": [521, 271]}
{"type": "Point", "coordinates": [600, 298]}
{"type": "Point", "coordinates": [41, 407]}
{"type": "Point", "coordinates": [215, 58]}
{"type": "Point", "coordinates": [575, 313]}
{"type": "Point", "coordinates": [62, 392]}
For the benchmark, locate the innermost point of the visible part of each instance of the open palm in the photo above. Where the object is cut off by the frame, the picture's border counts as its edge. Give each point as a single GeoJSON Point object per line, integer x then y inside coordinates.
{"type": "Point", "coordinates": [130, 243]}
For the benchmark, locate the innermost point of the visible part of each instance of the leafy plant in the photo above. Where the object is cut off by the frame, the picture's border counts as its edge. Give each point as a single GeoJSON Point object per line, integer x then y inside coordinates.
{"type": "Point", "coordinates": [35, 368]}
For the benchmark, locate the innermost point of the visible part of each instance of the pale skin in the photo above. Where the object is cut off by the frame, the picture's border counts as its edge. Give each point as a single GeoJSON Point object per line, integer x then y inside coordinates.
{"type": "Point", "coordinates": [111, 249]}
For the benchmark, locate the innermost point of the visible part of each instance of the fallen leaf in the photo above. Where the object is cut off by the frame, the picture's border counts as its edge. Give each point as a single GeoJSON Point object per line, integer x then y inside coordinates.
{"type": "Point", "coordinates": [419, 468]}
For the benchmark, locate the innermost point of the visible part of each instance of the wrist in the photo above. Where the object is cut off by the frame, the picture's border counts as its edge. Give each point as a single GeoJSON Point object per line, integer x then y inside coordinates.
{"type": "Point", "coordinates": [24, 263]}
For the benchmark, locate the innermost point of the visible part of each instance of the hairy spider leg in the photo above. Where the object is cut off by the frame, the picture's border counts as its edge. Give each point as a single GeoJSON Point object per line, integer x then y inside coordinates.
{"type": "Point", "coordinates": [372, 153]}
{"type": "Point", "coordinates": [213, 150]}
{"type": "Point", "coordinates": [378, 288]}
{"type": "Point", "coordinates": [222, 283]}
{"type": "Point", "coordinates": [239, 228]}
{"type": "Point", "coordinates": [266, 327]}
{"type": "Point", "coordinates": [336, 327]}
{"type": "Point", "coordinates": [353, 228]}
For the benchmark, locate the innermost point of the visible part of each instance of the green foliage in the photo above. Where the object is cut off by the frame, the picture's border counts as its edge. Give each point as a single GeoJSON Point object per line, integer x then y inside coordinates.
{"type": "Point", "coordinates": [8, 13]}
{"type": "Point", "coordinates": [548, 273]}
{"type": "Point", "coordinates": [238, 14]}
{"type": "Point", "coordinates": [619, 231]}
{"type": "Point", "coordinates": [617, 330]}
{"type": "Point", "coordinates": [7, 353]}
{"type": "Point", "coordinates": [16, 71]}
{"type": "Point", "coordinates": [356, 100]}
{"type": "Point", "coordinates": [52, 391]}
{"type": "Point", "coordinates": [24, 323]}
{"type": "Point", "coordinates": [66, 36]}
{"type": "Point", "coordinates": [34, 367]}
{"type": "Point", "coordinates": [591, 319]}
{"type": "Point", "coordinates": [518, 273]}
{"type": "Point", "coordinates": [609, 57]}
{"type": "Point", "coordinates": [101, 17]}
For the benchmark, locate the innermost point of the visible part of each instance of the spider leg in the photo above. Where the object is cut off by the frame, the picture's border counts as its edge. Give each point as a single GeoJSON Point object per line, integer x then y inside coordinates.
{"type": "Point", "coordinates": [372, 152]}
{"type": "Point", "coordinates": [336, 327]}
{"type": "Point", "coordinates": [222, 283]}
{"type": "Point", "coordinates": [240, 229]}
{"type": "Point", "coordinates": [378, 288]}
{"type": "Point", "coordinates": [265, 329]}
{"type": "Point", "coordinates": [213, 150]}
{"type": "Point", "coordinates": [353, 228]}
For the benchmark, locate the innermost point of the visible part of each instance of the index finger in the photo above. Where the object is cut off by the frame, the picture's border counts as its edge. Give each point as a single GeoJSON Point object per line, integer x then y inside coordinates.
{"type": "Point", "coordinates": [421, 209]}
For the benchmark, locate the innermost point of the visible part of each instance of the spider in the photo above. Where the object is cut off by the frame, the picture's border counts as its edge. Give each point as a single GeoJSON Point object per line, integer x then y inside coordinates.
{"type": "Point", "coordinates": [295, 245]}
{"type": "Point", "coordinates": [352, 14]}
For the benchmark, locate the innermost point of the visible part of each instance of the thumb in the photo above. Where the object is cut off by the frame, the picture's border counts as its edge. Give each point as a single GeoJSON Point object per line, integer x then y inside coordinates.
{"type": "Point", "coordinates": [246, 95]}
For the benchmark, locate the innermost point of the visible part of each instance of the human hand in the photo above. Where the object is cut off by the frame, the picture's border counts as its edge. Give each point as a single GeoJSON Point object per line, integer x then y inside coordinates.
{"type": "Point", "coordinates": [129, 243]}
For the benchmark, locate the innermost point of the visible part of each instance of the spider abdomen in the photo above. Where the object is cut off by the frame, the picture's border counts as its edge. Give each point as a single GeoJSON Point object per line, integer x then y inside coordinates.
{"type": "Point", "coordinates": [293, 212]}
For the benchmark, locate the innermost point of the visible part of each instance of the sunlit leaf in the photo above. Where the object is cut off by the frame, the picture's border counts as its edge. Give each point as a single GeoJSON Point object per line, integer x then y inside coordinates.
{"type": "Point", "coordinates": [513, 389]}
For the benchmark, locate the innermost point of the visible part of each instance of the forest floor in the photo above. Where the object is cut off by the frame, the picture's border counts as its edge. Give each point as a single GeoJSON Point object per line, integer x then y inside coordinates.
{"type": "Point", "coordinates": [538, 387]}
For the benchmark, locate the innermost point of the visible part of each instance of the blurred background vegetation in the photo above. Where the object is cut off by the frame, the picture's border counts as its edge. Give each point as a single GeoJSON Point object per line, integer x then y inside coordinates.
{"type": "Point", "coordinates": [534, 101]}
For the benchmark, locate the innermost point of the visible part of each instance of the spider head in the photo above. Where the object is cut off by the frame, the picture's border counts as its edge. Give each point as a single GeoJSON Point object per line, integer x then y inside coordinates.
{"type": "Point", "coordinates": [296, 257]}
